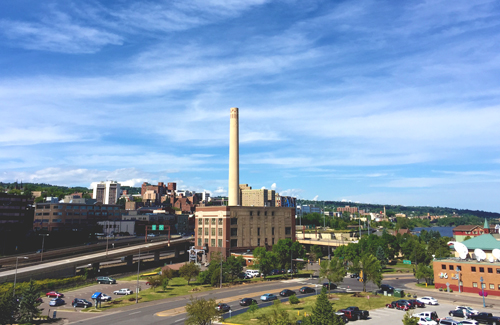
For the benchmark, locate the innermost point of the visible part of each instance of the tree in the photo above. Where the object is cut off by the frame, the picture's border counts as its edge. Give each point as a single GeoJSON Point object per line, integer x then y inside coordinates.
{"type": "Point", "coordinates": [333, 270]}
{"type": "Point", "coordinates": [381, 256]}
{"type": "Point", "coordinates": [201, 311]}
{"type": "Point", "coordinates": [323, 313]}
{"type": "Point", "coordinates": [28, 308]}
{"type": "Point", "coordinates": [189, 271]}
{"type": "Point", "coordinates": [372, 271]}
{"type": "Point", "coordinates": [167, 274]}
{"type": "Point", "coordinates": [233, 267]}
{"type": "Point", "coordinates": [154, 282]}
{"type": "Point", "coordinates": [253, 307]}
{"type": "Point", "coordinates": [315, 253]}
{"type": "Point", "coordinates": [264, 260]}
{"type": "Point", "coordinates": [426, 272]}
{"type": "Point", "coordinates": [409, 320]}
{"type": "Point", "coordinates": [278, 316]}
{"type": "Point", "coordinates": [8, 308]}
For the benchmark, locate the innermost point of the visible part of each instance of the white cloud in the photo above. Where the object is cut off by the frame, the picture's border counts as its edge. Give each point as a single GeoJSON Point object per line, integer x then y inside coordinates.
{"type": "Point", "coordinates": [315, 198]}
{"type": "Point", "coordinates": [273, 186]}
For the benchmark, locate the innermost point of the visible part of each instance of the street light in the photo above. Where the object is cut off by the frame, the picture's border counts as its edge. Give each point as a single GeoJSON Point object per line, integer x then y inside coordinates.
{"type": "Point", "coordinates": [43, 242]}
{"type": "Point", "coordinates": [138, 268]}
{"type": "Point", "coordinates": [15, 275]}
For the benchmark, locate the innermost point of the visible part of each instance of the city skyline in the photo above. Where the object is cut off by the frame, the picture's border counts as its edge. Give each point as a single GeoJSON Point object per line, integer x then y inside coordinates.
{"type": "Point", "coordinates": [386, 103]}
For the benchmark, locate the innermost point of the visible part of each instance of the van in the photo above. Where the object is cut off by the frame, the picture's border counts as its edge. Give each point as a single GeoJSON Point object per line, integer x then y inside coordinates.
{"type": "Point", "coordinates": [253, 273]}
{"type": "Point", "coordinates": [105, 279]}
{"type": "Point", "coordinates": [427, 314]}
{"type": "Point", "coordinates": [386, 287]}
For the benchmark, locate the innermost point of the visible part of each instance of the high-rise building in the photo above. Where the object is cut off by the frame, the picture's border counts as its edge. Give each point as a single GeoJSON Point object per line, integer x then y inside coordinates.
{"type": "Point", "coordinates": [107, 192]}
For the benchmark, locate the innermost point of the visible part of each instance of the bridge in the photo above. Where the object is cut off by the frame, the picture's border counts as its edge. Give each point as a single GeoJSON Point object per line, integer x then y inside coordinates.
{"type": "Point", "coordinates": [67, 267]}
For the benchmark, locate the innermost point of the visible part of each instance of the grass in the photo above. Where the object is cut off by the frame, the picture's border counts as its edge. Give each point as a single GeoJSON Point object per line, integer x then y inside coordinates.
{"type": "Point", "coordinates": [176, 287]}
{"type": "Point", "coordinates": [399, 267]}
{"type": "Point", "coordinates": [305, 306]}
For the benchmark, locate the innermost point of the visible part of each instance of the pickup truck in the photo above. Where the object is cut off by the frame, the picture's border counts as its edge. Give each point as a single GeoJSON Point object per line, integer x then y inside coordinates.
{"type": "Point", "coordinates": [354, 313]}
{"type": "Point", "coordinates": [486, 318]}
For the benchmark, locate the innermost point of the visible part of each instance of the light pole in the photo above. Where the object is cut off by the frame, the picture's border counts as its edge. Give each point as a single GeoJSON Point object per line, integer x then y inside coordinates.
{"type": "Point", "coordinates": [15, 275]}
{"type": "Point", "coordinates": [482, 288]}
{"type": "Point", "coordinates": [107, 238]}
{"type": "Point", "coordinates": [137, 286]}
{"type": "Point", "coordinates": [43, 242]}
{"type": "Point", "coordinates": [458, 276]}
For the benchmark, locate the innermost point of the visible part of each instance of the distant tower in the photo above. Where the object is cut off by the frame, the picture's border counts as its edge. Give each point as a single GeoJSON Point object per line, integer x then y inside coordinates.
{"type": "Point", "coordinates": [486, 227]}
{"type": "Point", "coordinates": [234, 159]}
{"type": "Point", "coordinates": [384, 212]}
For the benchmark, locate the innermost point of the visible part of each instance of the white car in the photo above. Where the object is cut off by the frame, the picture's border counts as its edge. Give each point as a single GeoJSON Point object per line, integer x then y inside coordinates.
{"type": "Point", "coordinates": [468, 322]}
{"type": "Point", "coordinates": [468, 309]}
{"type": "Point", "coordinates": [123, 292]}
{"type": "Point", "coordinates": [105, 297]}
{"type": "Point", "coordinates": [426, 321]}
{"type": "Point", "coordinates": [428, 301]}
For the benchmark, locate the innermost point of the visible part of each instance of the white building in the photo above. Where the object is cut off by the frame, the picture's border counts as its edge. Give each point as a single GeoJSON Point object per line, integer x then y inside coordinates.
{"type": "Point", "coordinates": [114, 227]}
{"type": "Point", "coordinates": [107, 192]}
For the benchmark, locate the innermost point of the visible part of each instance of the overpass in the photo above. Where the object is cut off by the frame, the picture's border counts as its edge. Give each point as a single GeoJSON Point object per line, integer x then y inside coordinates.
{"type": "Point", "coordinates": [67, 267]}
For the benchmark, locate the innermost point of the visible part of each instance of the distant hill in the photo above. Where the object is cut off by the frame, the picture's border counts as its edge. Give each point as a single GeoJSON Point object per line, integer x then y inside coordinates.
{"type": "Point", "coordinates": [408, 210]}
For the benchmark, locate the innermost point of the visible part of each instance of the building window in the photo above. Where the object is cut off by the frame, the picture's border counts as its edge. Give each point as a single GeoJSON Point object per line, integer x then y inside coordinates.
{"type": "Point", "coordinates": [234, 242]}
{"type": "Point", "coordinates": [272, 213]}
{"type": "Point", "coordinates": [258, 232]}
{"type": "Point", "coordinates": [459, 268]}
{"type": "Point", "coordinates": [272, 232]}
{"type": "Point", "coordinates": [258, 213]}
{"type": "Point", "coordinates": [234, 231]}
{"type": "Point", "coordinates": [490, 270]}
{"type": "Point", "coordinates": [498, 271]}
{"type": "Point", "coordinates": [199, 241]}
{"type": "Point", "coordinates": [212, 242]}
{"type": "Point", "coordinates": [474, 284]}
{"type": "Point", "coordinates": [492, 286]}
{"type": "Point", "coordinates": [288, 230]}
{"type": "Point", "coordinates": [258, 241]}
{"type": "Point", "coordinates": [206, 231]}
{"type": "Point", "coordinates": [481, 269]}
{"type": "Point", "coordinates": [451, 267]}
{"type": "Point", "coordinates": [473, 268]}
{"type": "Point", "coordinates": [206, 241]}
{"type": "Point", "coordinates": [251, 213]}
{"type": "Point", "coordinates": [219, 242]}
{"type": "Point", "coordinates": [220, 221]}
{"type": "Point", "coordinates": [273, 241]}
{"type": "Point", "coordinates": [220, 231]}
{"type": "Point", "coordinates": [200, 231]}
{"type": "Point", "coordinates": [213, 221]}
{"type": "Point", "coordinates": [213, 231]}
{"type": "Point", "coordinates": [443, 266]}
{"type": "Point", "coordinates": [265, 213]}
{"type": "Point", "coordinates": [234, 221]}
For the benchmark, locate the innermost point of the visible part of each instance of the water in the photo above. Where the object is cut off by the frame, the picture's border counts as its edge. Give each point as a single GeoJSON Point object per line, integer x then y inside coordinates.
{"type": "Point", "coordinates": [444, 231]}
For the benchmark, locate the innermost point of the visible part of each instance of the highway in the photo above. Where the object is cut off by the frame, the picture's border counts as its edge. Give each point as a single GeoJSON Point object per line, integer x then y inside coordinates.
{"type": "Point", "coordinates": [68, 265]}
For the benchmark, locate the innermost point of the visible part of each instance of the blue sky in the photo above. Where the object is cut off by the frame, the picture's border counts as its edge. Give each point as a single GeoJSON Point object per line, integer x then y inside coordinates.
{"type": "Point", "coordinates": [391, 102]}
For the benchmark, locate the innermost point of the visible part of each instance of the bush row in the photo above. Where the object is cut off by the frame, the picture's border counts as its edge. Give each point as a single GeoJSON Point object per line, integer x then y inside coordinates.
{"type": "Point", "coordinates": [46, 284]}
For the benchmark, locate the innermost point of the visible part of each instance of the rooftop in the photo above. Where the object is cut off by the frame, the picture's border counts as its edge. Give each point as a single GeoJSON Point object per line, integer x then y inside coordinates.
{"type": "Point", "coordinates": [466, 261]}
{"type": "Point", "coordinates": [484, 242]}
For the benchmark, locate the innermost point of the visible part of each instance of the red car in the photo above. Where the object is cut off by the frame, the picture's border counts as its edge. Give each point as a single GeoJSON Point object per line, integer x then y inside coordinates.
{"type": "Point", "coordinates": [54, 294]}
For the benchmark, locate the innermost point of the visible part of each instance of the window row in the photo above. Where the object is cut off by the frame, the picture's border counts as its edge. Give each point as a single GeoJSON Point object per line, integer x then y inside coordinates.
{"type": "Point", "coordinates": [473, 268]}
{"type": "Point", "coordinates": [491, 286]}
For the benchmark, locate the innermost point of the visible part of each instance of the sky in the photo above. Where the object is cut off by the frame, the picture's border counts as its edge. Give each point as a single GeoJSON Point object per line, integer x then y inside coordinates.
{"type": "Point", "coordinates": [389, 102]}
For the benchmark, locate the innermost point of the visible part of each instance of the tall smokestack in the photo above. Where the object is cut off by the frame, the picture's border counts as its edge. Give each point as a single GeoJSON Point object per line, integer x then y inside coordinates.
{"type": "Point", "coordinates": [234, 159]}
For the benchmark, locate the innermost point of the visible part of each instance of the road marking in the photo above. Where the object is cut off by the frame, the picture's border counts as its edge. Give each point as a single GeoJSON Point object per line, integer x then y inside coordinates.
{"type": "Point", "coordinates": [179, 320]}
{"type": "Point", "coordinates": [137, 312]}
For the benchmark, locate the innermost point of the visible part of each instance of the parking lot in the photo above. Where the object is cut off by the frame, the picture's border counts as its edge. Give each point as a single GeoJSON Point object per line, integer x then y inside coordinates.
{"type": "Point", "coordinates": [86, 293]}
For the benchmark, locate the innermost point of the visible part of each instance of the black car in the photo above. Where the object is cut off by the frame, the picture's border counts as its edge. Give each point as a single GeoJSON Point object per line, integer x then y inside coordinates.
{"type": "Point", "coordinates": [274, 272]}
{"type": "Point", "coordinates": [287, 293]}
{"type": "Point", "coordinates": [332, 286]}
{"type": "Point", "coordinates": [458, 313]}
{"type": "Point", "coordinates": [404, 302]}
{"type": "Point", "coordinates": [247, 301]}
{"type": "Point", "coordinates": [79, 302]}
{"type": "Point", "coordinates": [306, 290]}
{"type": "Point", "coordinates": [223, 307]}
{"type": "Point", "coordinates": [354, 275]}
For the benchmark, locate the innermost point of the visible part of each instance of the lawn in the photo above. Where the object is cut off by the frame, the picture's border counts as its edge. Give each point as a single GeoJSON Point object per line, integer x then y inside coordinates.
{"type": "Point", "coordinates": [399, 267]}
{"type": "Point", "coordinates": [340, 301]}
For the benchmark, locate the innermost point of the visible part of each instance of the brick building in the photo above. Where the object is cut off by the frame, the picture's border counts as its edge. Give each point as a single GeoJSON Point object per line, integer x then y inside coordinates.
{"type": "Point", "coordinates": [15, 209]}
{"type": "Point", "coordinates": [348, 209]}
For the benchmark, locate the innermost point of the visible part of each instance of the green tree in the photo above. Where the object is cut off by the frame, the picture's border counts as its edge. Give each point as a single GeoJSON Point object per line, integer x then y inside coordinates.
{"type": "Point", "coordinates": [409, 320]}
{"type": "Point", "coordinates": [381, 256]}
{"type": "Point", "coordinates": [155, 281]}
{"type": "Point", "coordinates": [201, 311]}
{"type": "Point", "coordinates": [215, 278]}
{"type": "Point", "coordinates": [425, 272]}
{"type": "Point", "coordinates": [323, 313]}
{"type": "Point", "coordinates": [28, 308]}
{"type": "Point", "coordinates": [264, 260]}
{"type": "Point", "coordinates": [315, 253]}
{"type": "Point", "coordinates": [8, 308]}
{"type": "Point", "coordinates": [333, 270]}
{"type": "Point", "coordinates": [189, 271]}
{"type": "Point", "coordinates": [233, 267]}
{"type": "Point", "coordinates": [253, 307]}
{"type": "Point", "coordinates": [372, 271]}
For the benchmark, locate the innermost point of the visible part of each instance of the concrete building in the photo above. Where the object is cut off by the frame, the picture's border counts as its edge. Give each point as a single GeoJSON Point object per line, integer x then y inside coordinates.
{"type": "Point", "coordinates": [117, 226]}
{"type": "Point", "coordinates": [237, 227]}
{"type": "Point", "coordinates": [107, 192]}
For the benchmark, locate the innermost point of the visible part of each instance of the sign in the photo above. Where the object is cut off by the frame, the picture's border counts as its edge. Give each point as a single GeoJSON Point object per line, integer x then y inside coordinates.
{"type": "Point", "coordinates": [153, 227]}
{"type": "Point", "coordinates": [54, 315]}
{"type": "Point", "coordinates": [162, 227]}
{"type": "Point", "coordinates": [367, 297]}
{"type": "Point", "coordinates": [481, 294]}
{"type": "Point", "coordinates": [406, 262]}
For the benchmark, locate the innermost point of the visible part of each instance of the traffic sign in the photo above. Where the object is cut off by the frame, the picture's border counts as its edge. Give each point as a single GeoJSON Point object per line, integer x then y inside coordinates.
{"type": "Point", "coordinates": [406, 262]}
{"type": "Point", "coordinates": [153, 227]}
{"type": "Point", "coordinates": [162, 227]}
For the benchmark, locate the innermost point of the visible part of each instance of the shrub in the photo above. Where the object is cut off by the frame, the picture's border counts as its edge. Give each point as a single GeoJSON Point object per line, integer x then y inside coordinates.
{"type": "Point", "coordinates": [294, 300]}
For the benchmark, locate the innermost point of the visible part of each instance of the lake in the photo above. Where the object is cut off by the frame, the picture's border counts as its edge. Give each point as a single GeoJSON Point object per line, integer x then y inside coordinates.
{"type": "Point", "coordinates": [444, 231]}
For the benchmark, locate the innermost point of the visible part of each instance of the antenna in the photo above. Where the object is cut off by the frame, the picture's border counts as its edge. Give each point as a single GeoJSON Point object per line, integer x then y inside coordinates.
{"type": "Point", "coordinates": [496, 253]}
{"type": "Point", "coordinates": [480, 254]}
{"type": "Point", "coordinates": [461, 249]}
{"type": "Point", "coordinates": [491, 259]}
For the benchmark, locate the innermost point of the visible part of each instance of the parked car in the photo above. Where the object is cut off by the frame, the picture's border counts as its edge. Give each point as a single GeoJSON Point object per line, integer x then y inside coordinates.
{"type": "Point", "coordinates": [56, 302]}
{"type": "Point", "coordinates": [354, 313]}
{"type": "Point", "coordinates": [287, 293]}
{"type": "Point", "coordinates": [468, 322]}
{"type": "Point", "coordinates": [448, 321]}
{"type": "Point", "coordinates": [253, 273]}
{"type": "Point", "coordinates": [487, 318]}
{"type": "Point", "coordinates": [386, 287]}
{"type": "Point", "coordinates": [54, 294]}
{"type": "Point", "coordinates": [426, 321]}
{"type": "Point", "coordinates": [427, 314]}
{"type": "Point", "coordinates": [342, 316]}
{"type": "Point", "coordinates": [417, 303]}
{"type": "Point", "coordinates": [428, 300]}
{"type": "Point", "coordinates": [274, 272]}
{"type": "Point", "coordinates": [223, 307]}
{"type": "Point", "coordinates": [306, 290]}
{"type": "Point", "coordinates": [469, 309]}
{"type": "Point", "coordinates": [268, 297]}
{"type": "Point", "coordinates": [354, 275]}
{"type": "Point", "coordinates": [123, 292]}
{"type": "Point", "coordinates": [332, 286]}
{"type": "Point", "coordinates": [247, 301]}
{"type": "Point", "coordinates": [244, 276]}
{"type": "Point", "coordinates": [79, 302]}
{"type": "Point", "coordinates": [105, 279]}
{"type": "Point", "coordinates": [105, 297]}
{"type": "Point", "coordinates": [459, 313]}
